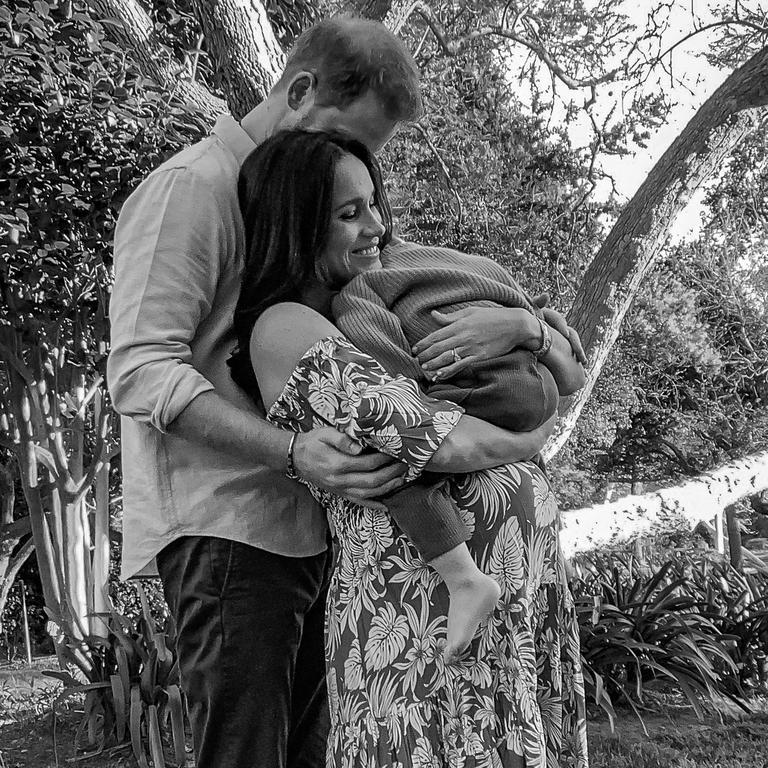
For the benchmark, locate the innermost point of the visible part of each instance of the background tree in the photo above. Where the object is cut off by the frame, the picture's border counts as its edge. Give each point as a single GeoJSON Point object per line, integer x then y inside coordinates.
{"type": "Point", "coordinates": [80, 127]}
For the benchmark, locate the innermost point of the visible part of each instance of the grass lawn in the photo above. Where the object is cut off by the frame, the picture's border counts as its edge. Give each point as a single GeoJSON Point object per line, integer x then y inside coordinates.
{"type": "Point", "coordinates": [676, 739]}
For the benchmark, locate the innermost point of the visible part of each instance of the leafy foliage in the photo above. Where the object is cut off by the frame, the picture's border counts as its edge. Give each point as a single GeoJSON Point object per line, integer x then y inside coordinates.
{"type": "Point", "coordinates": [481, 173]}
{"type": "Point", "coordinates": [80, 128]}
{"type": "Point", "coordinates": [689, 622]}
{"type": "Point", "coordinates": [131, 689]}
{"type": "Point", "coordinates": [686, 386]}
{"type": "Point", "coordinates": [696, 344]}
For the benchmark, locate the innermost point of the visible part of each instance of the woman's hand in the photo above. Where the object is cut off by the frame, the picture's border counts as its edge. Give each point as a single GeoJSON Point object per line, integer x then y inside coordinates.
{"type": "Point", "coordinates": [332, 460]}
{"type": "Point", "coordinates": [473, 334]}
{"type": "Point", "coordinates": [559, 323]}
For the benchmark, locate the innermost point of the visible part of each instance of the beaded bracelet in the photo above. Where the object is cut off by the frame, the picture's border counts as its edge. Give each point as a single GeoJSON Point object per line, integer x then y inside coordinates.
{"type": "Point", "coordinates": [290, 467]}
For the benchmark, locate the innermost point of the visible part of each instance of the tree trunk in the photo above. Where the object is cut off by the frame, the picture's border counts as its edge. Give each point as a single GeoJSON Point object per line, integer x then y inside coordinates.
{"type": "Point", "coordinates": [696, 500]}
{"type": "Point", "coordinates": [636, 241]}
{"type": "Point", "coordinates": [100, 579]}
{"type": "Point", "coordinates": [247, 57]}
{"type": "Point", "coordinates": [135, 34]}
{"type": "Point", "coordinates": [392, 13]}
{"type": "Point", "coordinates": [48, 441]}
{"type": "Point", "coordinates": [735, 548]}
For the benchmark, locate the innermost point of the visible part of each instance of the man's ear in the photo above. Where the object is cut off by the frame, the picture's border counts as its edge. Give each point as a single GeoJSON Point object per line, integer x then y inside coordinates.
{"type": "Point", "coordinates": [301, 88]}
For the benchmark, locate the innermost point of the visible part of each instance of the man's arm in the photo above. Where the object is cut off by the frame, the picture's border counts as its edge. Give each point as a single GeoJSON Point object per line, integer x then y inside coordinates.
{"type": "Point", "coordinates": [167, 265]}
{"type": "Point", "coordinates": [326, 457]}
{"type": "Point", "coordinates": [170, 249]}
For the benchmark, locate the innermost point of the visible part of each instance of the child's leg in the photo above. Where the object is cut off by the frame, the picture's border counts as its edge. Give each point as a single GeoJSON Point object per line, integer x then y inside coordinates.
{"type": "Point", "coordinates": [427, 514]}
{"type": "Point", "coordinates": [473, 593]}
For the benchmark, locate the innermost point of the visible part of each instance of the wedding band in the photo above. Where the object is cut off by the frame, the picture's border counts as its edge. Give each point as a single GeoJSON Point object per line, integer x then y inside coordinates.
{"type": "Point", "coordinates": [456, 355]}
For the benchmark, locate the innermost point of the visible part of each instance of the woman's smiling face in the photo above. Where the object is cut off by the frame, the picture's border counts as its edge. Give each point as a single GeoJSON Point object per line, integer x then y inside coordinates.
{"type": "Point", "coordinates": [355, 229]}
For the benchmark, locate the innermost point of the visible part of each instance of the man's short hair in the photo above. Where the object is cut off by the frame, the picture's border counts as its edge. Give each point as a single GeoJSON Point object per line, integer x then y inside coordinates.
{"type": "Point", "coordinates": [351, 56]}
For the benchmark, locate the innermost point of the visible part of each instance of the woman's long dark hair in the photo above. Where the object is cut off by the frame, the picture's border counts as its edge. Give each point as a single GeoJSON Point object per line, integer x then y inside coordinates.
{"type": "Point", "coordinates": [286, 195]}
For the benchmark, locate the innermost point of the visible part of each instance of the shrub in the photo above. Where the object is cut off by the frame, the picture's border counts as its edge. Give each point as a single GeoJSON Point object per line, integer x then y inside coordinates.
{"type": "Point", "coordinates": [697, 626]}
{"type": "Point", "coordinates": [131, 687]}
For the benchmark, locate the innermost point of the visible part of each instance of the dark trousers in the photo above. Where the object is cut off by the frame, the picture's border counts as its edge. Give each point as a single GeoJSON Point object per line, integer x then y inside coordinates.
{"type": "Point", "coordinates": [250, 647]}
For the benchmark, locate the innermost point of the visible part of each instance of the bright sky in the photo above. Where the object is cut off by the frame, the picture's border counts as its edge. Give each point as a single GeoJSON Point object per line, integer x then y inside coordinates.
{"type": "Point", "coordinates": [701, 81]}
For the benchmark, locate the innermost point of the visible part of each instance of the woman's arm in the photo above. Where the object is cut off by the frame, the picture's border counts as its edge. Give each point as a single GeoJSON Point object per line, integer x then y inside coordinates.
{"type": "Point", "coordinates": [324, 456]}
{"type": "Point", "coordinates": [482, 333]}
{"type": "Point", "coordinates": [284, 334]}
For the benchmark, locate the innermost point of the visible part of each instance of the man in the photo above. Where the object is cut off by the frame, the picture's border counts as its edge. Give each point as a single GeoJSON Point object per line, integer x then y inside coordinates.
{"type": "Point", "coordinates": [241, 548]}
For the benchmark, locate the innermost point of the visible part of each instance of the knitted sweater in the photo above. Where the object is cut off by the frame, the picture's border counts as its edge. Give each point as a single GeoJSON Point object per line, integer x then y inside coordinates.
{"type": "Point", "coordinates": [386, 311]}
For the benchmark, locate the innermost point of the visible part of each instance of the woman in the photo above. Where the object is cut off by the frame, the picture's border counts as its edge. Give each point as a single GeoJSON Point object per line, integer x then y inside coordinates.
{"type": "Point", "coordinates": [315, 215]}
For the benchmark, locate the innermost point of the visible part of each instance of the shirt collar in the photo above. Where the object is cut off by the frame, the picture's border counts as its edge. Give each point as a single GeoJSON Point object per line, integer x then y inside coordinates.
{"type": "Point", "coordinates": [239, 143]}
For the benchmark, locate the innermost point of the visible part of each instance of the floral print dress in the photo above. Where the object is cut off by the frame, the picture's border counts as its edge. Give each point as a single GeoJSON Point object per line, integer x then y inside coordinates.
{"type": "Point", "coordinates": [517, 699]}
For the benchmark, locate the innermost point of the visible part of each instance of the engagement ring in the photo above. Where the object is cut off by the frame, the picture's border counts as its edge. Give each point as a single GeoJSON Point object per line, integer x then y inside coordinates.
{"type": "Point", "coordinates": [456, 355]}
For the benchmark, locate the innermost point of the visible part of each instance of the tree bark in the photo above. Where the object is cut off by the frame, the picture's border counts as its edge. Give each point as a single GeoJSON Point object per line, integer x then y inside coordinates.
{"type": "Point", "coordinates": [132, 30]}
{"type": "Point", "coordinates": [696, 500]}
{"type": "Point", "coordinates": [735, 549]}
{"type": "Point", "coordinates": [46, 440]}
{"type": "Point", "coordinates": [247, 57]}
{"type": "Point", "coordinates": [635, 243]}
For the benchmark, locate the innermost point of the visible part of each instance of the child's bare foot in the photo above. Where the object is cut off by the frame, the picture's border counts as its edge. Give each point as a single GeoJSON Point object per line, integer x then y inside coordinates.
{"type": "Point", "coordinates": [471, 601]}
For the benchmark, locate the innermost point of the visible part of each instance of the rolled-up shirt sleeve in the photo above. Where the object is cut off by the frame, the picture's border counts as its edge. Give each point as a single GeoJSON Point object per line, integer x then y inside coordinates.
{"type": "Point", "coordinates": [170, 243]}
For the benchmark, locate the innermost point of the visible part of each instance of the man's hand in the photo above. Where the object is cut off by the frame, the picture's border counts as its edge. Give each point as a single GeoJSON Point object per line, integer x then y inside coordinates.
{"type": "Point", "coordinates": [332, 460]}
{"type": "Point", "coordinates": [474, 334]}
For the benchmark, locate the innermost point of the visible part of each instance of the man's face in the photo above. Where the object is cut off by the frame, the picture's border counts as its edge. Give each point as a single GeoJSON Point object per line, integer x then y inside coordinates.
{"type": "Point", "coordinates": [363, 119]}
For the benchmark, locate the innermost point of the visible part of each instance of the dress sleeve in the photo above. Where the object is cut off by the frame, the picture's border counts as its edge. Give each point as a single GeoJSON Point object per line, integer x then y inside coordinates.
{"type": "Point", "coordinates": [336, 384]}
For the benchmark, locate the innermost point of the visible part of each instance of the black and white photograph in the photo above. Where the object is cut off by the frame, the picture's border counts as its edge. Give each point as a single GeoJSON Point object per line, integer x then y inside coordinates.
{"type": "Point", "coordinates": [384, 383]}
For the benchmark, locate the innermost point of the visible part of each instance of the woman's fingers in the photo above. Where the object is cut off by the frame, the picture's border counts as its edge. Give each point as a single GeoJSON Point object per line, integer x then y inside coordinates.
{"type": "Point", "coordinates": [367, 497]}
{"type": "Point", "coordinates": [576, 345]}
{"type": "Point", "coordinates": [432, 345]}
{"type": "Point", "coordinates": [448, 357]}
{"type": "Point", "coordinates": [365, 489]}
{"type": "Point", "coordinates": [439, 340]}
{"type": "Point", "coordinates": [449, 371]}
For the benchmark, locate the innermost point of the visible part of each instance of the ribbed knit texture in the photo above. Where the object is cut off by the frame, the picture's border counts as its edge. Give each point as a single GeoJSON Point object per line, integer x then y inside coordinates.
{"type": "Point", "coordinates": [386, 311]}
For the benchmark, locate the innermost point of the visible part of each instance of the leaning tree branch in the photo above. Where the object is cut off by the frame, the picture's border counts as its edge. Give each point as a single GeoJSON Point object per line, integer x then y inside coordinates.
{"type": "Point", "coordinates": [698, 499]}
{"type": "Point", "coordinates": [16, 529]}
{"type": "Point", "coordinates": [637, 240]}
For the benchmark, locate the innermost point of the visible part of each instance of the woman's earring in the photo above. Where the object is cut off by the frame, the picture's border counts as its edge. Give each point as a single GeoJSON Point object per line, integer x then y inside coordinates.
{"type": "Point", "coordinates": [322, 273]}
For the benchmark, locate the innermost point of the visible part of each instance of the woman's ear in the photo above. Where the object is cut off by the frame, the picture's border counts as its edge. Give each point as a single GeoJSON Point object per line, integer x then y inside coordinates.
{"type": "Point", "coordinates": [301, 89]}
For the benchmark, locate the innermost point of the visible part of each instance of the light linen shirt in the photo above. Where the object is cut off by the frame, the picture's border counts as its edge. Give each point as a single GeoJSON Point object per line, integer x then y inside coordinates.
{"type": "Point", "coordinates": [179, 248]}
